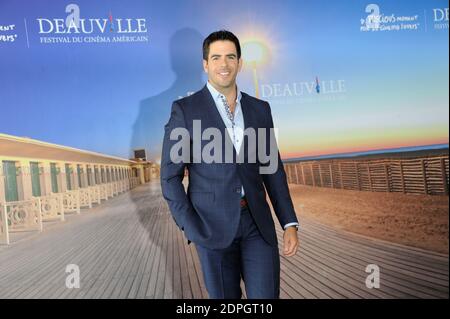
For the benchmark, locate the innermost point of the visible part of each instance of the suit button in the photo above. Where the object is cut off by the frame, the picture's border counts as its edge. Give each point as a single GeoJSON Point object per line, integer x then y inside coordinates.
{"type": "Point", "coordinates": [238, 190]}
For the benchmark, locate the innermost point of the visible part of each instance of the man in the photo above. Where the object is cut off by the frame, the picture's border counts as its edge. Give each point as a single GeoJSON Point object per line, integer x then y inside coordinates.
{"type": "Point", "coordinates": [225, 212]}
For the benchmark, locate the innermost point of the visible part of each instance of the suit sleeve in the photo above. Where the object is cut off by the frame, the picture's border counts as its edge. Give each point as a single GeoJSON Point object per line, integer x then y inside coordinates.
{"type": "Point", "coordinates": [276, 184]}
{"type": "Point", "coordinates": [172, 172]}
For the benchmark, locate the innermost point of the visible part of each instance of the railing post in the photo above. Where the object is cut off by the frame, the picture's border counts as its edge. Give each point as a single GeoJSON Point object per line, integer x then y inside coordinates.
{"type": "Point", "coordinates": [61, 203]}
{"type": "Point", "coordinates": [78, 202]}
{"type": "Point", "coordinates": [89, 193]}
{"type": "Point", "coordinates": [424, 175]}
{"type": "Point", "coordinates": [320, 176]}
{"type": "Point", "coordinates": [401, 177]}
{"type": "Point", "coordinates": [312, 174]}
{"type": "Point", "coordinates": [4, 225]}
{"type": "Point", "coordinates": [444, 177]}
{"type": "Point", "coordinates": [303, 174]}
{"type": "Point", "coordinates": [358, 182]}
{"type": "Point", "coordinates": [39, 214]}
{"type": "Point", "coordinates": [61, 200]}
{"type": "Point", "coordinates": [386, 173]}
{"type": "Point", "coordinates": [331, 174]}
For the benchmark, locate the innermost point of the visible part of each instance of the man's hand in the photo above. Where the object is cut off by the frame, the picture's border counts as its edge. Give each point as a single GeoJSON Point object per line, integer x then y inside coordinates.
{"type": "Point", "coordinates": [290, 241]}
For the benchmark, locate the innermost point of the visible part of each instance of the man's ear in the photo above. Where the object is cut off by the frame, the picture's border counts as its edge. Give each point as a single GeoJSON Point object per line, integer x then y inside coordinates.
{"type": "Point", "coordinates": [205, 66]}
{"type": "Point", "coordinates": [240, 62]}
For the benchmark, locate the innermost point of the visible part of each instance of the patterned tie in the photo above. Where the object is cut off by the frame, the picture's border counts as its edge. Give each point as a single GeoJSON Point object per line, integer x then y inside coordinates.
{"type": "Point", "coordinates": [230, 115]}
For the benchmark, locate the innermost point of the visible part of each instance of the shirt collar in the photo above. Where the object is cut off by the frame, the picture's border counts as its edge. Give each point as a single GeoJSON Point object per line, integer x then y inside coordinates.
{"type": "Point", "coordinates": [216, 94]}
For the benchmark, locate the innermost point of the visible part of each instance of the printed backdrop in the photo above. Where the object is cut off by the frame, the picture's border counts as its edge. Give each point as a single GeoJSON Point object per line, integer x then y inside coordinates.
{"type": "Point", "coordinates": [341, 76]}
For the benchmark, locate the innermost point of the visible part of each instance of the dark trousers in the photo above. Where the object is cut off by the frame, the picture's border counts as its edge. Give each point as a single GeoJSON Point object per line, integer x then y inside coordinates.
{"type": "Point", "coordinates": [250, 257]}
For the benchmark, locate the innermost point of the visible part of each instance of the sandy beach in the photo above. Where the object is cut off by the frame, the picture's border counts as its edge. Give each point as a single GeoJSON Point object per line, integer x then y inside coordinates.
{"type": "Point", "coordinates": [414, 220]}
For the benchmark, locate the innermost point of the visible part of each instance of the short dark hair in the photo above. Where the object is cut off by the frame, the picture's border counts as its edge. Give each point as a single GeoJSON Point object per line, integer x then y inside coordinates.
{"type": "Point", "coordinates": [220, 36]}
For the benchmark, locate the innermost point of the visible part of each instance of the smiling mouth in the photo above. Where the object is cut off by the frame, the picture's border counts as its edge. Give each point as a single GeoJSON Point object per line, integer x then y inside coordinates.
{"type": "Point", "coordinates": [224, 74]}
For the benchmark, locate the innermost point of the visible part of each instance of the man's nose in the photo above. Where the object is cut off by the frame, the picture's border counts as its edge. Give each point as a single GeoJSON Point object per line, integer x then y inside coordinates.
{"type": "Point", "coordinates": [223, 62]}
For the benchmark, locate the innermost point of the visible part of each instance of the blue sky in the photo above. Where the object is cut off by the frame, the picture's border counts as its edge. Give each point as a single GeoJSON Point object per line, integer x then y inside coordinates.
{"type": "Point", "coordinates": [92, 96]}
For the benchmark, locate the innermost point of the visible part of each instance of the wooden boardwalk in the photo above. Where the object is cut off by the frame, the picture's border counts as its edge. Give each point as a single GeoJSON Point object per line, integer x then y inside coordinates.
{"type": "Point", "coordinates": [129, 247]}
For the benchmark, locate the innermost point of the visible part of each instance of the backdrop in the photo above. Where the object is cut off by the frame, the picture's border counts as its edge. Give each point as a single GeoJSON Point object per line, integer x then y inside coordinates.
{"type": "Point", "coordinates": [341, 76]}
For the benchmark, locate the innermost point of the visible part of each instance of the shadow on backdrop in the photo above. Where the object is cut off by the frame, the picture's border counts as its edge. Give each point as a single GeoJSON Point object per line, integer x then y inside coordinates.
{"type": "Point", "coordinates": [148, 131]}
{"type": "Point", "coordinates": [186, 61]}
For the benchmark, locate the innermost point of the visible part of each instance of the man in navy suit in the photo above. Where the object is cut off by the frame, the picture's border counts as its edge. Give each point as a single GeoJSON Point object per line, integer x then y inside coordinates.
{"type": "Point", "coordinates": [224, 211]}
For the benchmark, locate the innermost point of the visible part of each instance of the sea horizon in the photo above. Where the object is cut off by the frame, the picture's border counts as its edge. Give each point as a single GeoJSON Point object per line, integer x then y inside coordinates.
{"type": "Point", "coordinates": [406, 149]}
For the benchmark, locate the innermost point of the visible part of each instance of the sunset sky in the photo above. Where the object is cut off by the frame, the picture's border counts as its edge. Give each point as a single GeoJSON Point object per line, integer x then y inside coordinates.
{"type": "Point", "coordinates": [379, 90]}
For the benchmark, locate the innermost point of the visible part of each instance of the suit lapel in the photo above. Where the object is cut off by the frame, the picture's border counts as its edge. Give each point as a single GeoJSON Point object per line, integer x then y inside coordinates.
{"type": "Point", "coordinates": [211, 111]}
{"type": "Point", "coordinates": [249, 122]}
{"type": "Point", "coordinates": [214, 119]}
{"type": "Point", "coordinates": [247, 112]}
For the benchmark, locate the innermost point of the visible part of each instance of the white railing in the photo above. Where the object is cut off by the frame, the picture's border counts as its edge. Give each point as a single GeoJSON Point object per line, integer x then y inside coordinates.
{"type": "Point", "coordinates": [95, 194]}
{"type": "Point", "coordinates": [115, 188]}
{"type": "Point", "coordinates": [71, 201]}
{"type": "Point", "coordinates": [52, 207]}
{"type": "Point", "coordinates": [110, 190]}
{"type": "Point", "coordinates": [20, 216]}
{"type": "Point", "coordinates": [134, 181]}
{"type": "Point", "coordinates": [103, 189]}
{"type": "Point", "coordinates": [28, 215]}
{"type": "Point", "coordinates": [85, 197]}
{"type": "Point", "coordinates": [4, 233]}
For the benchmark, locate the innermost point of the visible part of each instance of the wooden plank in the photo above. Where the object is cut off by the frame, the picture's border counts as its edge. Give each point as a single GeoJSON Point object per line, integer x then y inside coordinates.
{"type": "Point", "coordinates": [401, 285]}
{"type": "Point", "coordinates": [304, 284]}
{"type": "Point", "coordinates": [144, 287]}
{"type": "Point", "coordinates": [185, 284]}
{"type": "Point", "coordinates": [397, 257]}
{"type": "Point", "coordinates": [169, 282]}
{"type": "Point", "coordinates": [155, 276]}
{"type": "Point", "coordinates": [124, 254]}
{"type": "Point", "coordinates": [414, 275]}
{"type": "Point", "coordinates": [139, 278]}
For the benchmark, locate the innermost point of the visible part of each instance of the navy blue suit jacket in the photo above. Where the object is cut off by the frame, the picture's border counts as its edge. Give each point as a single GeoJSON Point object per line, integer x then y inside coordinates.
{"type": "Point", "coordinates": [209, 211]}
